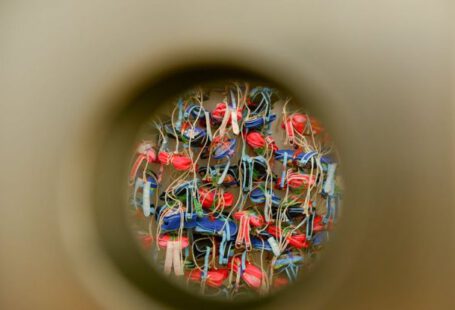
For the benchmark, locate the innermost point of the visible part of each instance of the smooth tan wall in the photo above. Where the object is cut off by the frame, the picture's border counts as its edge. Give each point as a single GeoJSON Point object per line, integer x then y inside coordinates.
{"type": "Point", "coordinates": [385, 71]}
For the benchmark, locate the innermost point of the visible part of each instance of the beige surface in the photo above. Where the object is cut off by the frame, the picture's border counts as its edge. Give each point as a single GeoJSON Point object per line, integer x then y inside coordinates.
{"type": "Point", "coordinates": [385, 68]}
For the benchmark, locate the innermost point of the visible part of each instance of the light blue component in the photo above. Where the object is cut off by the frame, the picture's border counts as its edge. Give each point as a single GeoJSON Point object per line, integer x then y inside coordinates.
{"type": "Point", "coordinates": [189, 211]}
{"type": "Point", "coordinates": [228, 231]}
{"type": "Point", "coordinates": [206, 263]}
{"type": "Point", "coordinates": [226, 237]}
{"type": "Point", "coordinates": [310, 226]}
{"type": "Point", "coordinates": [178, 124]}
{"type": "Point", "coordinates": [283, 173]}
{"type": "Point", "coordinates": [247, 165]}
{"type": "Point", "coordinates": [243, 261]}
{"type": "Point", "coordinates": [328, 215]}
{"type": "Point", "coordinates": [187, 252]}
{"type": "Point", "coordinates": [222, 249]}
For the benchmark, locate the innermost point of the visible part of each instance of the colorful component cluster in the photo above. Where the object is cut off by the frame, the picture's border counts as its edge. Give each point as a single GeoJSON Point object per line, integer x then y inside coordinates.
{"type": "Point", "coordinates": [234, 193]}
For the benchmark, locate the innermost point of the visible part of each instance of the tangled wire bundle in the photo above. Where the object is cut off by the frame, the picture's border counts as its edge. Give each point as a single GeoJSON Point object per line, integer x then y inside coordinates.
{"type": "Point", "coordinates": [239, 199]}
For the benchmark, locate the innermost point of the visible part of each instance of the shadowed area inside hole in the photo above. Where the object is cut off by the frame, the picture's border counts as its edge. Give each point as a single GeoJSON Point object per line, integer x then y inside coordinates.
{"type": "Point", "coordinates": [233, 189]}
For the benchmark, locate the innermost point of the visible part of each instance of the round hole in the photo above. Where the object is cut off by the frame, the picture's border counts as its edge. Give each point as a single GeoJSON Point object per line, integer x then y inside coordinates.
{"type": "Point", "coordinates": [230, 192]}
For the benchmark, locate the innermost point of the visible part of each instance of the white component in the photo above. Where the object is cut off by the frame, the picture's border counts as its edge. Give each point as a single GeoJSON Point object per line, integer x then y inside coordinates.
{"type": "Point", "coordinates": [209, 128]}
{"type": "Point", "coordinates": [146, 198]}
{"type": "Point", "coordinates": [235, 124]}
{"type": "Point", "coordinates": [139, 183]}
{"type": "Point", "coordinates": [274, 245]}
{"type": "Point", "coordinates": [329, 186]}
